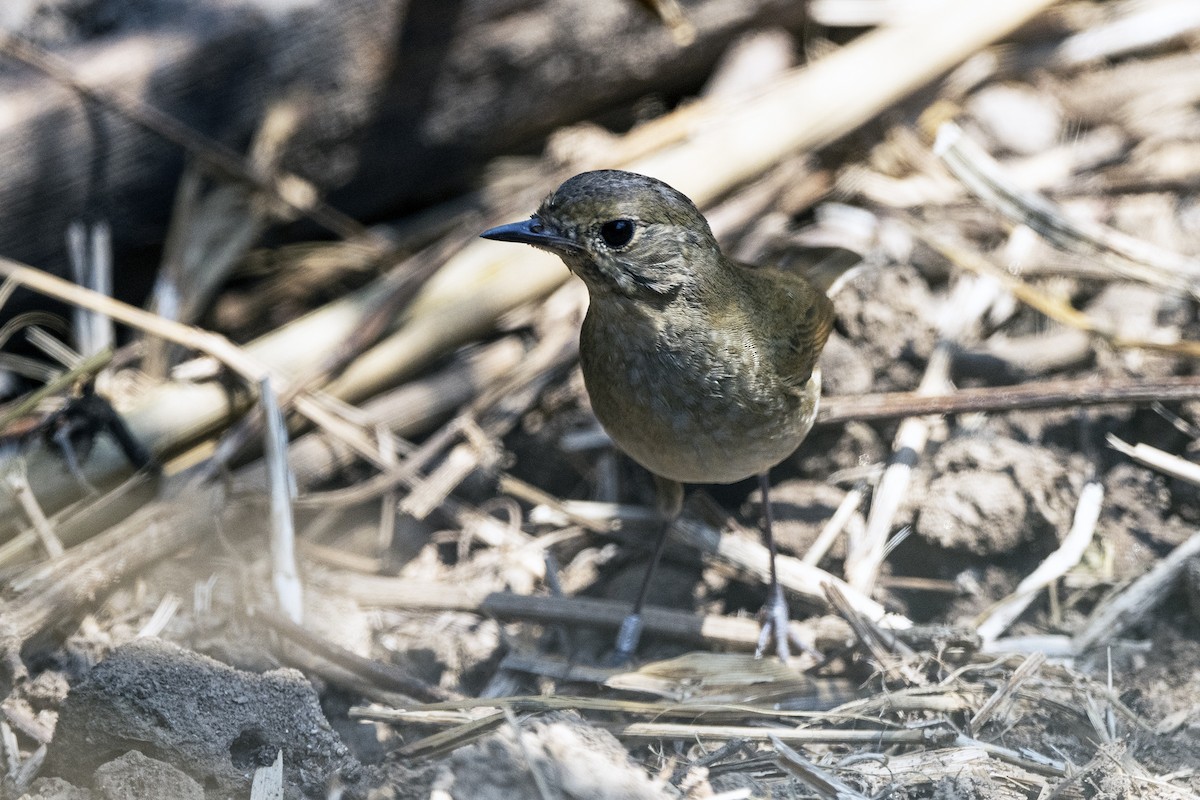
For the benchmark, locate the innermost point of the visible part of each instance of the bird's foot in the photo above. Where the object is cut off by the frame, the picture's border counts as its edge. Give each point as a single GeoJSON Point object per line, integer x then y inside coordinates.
{"type": "Point", "coordinates": [774, 617]}
{"type": "Point", "coordinates": [628, 637]}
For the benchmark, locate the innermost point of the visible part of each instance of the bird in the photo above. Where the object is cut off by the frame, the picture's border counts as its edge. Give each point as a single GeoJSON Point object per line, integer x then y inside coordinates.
{"type": "Point", "coordinates": [699, 368]}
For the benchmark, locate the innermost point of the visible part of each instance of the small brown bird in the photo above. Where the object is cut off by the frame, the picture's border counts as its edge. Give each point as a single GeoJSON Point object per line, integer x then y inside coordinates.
{"type": "Point", "coordinates": [700, 369]}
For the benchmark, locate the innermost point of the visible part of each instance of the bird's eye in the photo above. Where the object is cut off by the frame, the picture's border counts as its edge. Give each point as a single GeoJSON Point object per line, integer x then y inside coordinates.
{"type": "Point", "coordinates": [617, 233]}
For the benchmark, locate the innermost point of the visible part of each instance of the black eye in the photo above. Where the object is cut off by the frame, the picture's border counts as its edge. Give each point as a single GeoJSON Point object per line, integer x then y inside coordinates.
{"type": "Point", "coordinates": [617, 233]}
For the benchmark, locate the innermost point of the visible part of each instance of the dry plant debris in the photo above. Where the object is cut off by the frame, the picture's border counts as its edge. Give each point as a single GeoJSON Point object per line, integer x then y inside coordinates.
{"type": "Point", "coordinates": [406, 542]}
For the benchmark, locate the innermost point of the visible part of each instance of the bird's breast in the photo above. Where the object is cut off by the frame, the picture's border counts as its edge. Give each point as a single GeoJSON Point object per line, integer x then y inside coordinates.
{"type": "Point", "coordinates": [688, 401]}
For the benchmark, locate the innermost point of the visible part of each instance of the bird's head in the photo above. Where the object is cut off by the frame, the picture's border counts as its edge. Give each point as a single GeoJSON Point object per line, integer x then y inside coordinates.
{"type": "Point", "coordinates": [621, 232]}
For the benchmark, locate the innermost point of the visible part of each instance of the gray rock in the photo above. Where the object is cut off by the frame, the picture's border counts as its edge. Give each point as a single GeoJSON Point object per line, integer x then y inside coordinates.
{"type": "Point", "coordinates": [135, 776]}
{"type": "Point", "coordinates": [215, 723]}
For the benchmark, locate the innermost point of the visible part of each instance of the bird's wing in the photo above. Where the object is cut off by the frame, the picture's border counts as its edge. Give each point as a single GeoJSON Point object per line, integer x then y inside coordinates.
{"type": "Point", "coordinates": [795, 322]}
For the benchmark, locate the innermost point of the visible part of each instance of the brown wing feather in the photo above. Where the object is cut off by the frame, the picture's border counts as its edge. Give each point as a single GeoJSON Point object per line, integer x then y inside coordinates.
{"type": "Point", "coordinates": [796, 321]}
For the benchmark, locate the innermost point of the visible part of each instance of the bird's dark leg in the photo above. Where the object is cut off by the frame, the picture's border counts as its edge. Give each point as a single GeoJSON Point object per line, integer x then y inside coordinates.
{"type": "Point", "coordinates": [669, 499]}
{"type": "Point", "coordinates": [775, 612]}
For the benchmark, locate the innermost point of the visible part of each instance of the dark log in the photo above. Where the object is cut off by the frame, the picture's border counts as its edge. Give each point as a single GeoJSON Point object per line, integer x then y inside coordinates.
{"type": "Point", "coordinates": [403, 102]}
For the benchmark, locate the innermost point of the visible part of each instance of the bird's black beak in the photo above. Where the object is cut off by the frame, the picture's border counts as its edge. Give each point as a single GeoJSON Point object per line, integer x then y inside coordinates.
{"type": "Point", "coordinates": [530, 231]}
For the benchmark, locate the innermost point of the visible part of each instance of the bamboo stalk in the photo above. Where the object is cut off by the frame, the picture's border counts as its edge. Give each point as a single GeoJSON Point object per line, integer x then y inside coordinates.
{"type": "Point", "coordinates": [993, 399]}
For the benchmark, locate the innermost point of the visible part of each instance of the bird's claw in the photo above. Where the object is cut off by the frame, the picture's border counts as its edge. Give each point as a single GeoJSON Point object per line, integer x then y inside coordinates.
{"type": "Point", "coordinates": [774, 617]}
{"type": "Point", "coordinates": [628, 636]}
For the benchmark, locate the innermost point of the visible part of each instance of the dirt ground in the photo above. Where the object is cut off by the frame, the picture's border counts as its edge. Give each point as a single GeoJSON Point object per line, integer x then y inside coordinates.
{"type": "Point", "coordinates": [1007, 607]}
{"type": "Point", "coordinates": [991, 503]}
